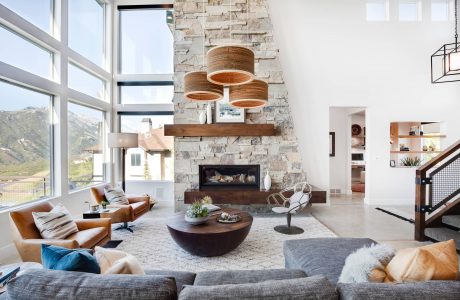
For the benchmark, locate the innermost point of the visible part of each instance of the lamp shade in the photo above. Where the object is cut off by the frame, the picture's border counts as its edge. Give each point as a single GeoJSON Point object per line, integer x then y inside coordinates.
{"type": "Point", "coordinates": [198, 88]}
{"type": "Point", "coordinates": [249, 95]}
{"type": "Point", "coordinates": [123, 140]}
{"type": "Point", "coordinates": [454, 61]}
{"type": "Point", "coordinates": [230, 65]}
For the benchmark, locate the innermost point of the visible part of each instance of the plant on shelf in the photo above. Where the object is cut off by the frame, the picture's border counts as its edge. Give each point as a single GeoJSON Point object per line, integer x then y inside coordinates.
{"type": "Point", "coordinates": [411, 161]}
{"type": "Point", "coordinates": [196, 213]}
{"type": "Point", "coordinates": [206, 200]}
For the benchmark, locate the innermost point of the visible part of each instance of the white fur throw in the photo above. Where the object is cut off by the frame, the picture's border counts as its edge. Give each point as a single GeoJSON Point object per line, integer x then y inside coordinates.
{"type": "Point", "coordinates": [359, 265]}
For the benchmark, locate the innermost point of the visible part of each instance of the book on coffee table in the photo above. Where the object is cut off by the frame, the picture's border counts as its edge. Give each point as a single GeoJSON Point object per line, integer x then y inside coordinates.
{"type": "Point", "coordinates": [211, 207]}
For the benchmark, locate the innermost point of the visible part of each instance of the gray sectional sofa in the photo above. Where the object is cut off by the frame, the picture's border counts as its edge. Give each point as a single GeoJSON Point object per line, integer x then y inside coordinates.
{"type": "Point", "coordinates": [312, 270]}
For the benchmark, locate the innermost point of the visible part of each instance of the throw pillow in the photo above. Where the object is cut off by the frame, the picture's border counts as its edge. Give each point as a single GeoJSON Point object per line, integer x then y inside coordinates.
{"type": "Point", "coordinates": [55, 224]}
{"type": "Point", "coordinates": [115, 195]}
{"type": "Point", "coordinates": [367, 264]}
{"type": "Point", "coordinates": [437, 261]}
{"type": "Point", "coordinates": [117, 262]}
{"type": "Point", "coordinates": [78, 260]}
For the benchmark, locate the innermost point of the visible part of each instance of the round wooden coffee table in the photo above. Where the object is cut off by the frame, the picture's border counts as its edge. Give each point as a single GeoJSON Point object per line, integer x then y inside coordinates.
{"type": "Point", "coordinates": [211, 238]}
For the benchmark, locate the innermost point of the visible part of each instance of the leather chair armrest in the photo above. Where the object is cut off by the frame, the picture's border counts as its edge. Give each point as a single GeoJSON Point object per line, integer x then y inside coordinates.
{"type": "Point", "coordinates": [135, 199]}
{"type": "Point", "coordinates": [31, 249]}
{"type": "Point", "coordinates": [84, 224]}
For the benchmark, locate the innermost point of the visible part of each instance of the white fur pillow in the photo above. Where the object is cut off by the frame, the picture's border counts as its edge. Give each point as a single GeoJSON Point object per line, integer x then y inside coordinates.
{"type": "Point", "coordinates": [117, 262]}
{"type": "Point", "coordinates": [367, 264]}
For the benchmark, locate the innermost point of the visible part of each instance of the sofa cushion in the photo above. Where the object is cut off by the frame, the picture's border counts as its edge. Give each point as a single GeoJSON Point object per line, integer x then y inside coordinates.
{"type": "Point", "coordinates": [428, 290]}
{"type": "Point", "coordinates": [316, 287]}
{"type": "Point", "coordinates": [89, 238]}
{"type": "Point", "coordinates": [321, 256]}
{"type": "Point", "coordinates": [114, 261]}
{"type": "Point", "coordinates": [115, 195]}
{"type": "Point", "coordinates": [245, 276]}
{"type": "Point", "coordinates": [45, 285]}
{"type": "Point", "coordinates": [59, 258]}
{"type": "Point", "coordinates": [55, 224]}
{"type": "Point", "coordinates": [182, 278]}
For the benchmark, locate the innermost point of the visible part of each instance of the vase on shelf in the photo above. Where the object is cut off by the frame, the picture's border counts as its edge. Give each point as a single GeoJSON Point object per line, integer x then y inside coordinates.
{"type": "Point", "coordinates": [209, 113]}
{"type": "Point", "coordinates": [267, 181]}
{"type": "Point", "coordinates": [202, 117]}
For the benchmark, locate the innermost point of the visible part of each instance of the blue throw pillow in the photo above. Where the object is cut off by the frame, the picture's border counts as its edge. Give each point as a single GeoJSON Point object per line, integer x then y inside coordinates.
{"type": "Point", "coordinates": [78, 260]}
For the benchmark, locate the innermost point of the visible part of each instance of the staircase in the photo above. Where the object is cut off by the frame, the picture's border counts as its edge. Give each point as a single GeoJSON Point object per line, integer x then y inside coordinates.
{"type": "Point", "coordinates": [437, 203]}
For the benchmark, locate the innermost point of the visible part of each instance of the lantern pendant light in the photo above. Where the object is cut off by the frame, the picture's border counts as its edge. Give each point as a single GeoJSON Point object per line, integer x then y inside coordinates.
{"type": "Point", "coordinates": [196, 85]}
{"type": "Point", "coordinates": [249, 95]}
{"type": "Point", "coordinates": [445, 63]}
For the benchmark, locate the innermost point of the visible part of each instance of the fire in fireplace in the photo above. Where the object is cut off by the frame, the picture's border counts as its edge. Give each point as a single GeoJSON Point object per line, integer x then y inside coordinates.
{"type": "Point", "coordinates": [229, 176]}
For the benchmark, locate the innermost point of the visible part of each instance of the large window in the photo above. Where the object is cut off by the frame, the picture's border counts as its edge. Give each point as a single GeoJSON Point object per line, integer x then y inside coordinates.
{"type": "Point", "coordinates": [377, 10]}
{"type": "Point", "coordinates": [86, 29]}
{"type": "Point", "coordinates": [440, 10]}
{"type": "Point", "coordinates": [146, 41]}
{"type": "Point", "coordinates": [410, 10]}
{"type": "Point", "coordinates": [86, 146]}
{"type": "Point", "coordinates": [25, 145]}
{"type": "Point", "coordinates": [37, 12]}
{"type": "Point", "coordinates": [155, 150]}
{"type": "Point", "coordinates": [82, 81]}
{"type": "Point", "coordinates": [23, 54]}
{"type": "Point", "coordinates": [147, 94]}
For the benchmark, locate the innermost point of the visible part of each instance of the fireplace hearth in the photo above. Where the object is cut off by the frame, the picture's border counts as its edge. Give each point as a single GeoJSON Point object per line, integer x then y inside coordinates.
{"type": "Point", "coordinates": [229, 176]}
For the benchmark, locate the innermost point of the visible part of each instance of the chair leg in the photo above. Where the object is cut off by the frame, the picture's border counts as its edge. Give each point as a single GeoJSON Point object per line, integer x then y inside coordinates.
{"type": "Point", "coordinates": [125, 226]}
{"type": "Point", "coordinates": [289, 216]}
{"type": "Point", "coordinates": [288, 229]}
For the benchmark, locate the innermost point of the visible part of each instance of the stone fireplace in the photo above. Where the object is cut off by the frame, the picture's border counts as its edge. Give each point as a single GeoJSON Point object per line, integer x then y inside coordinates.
{"type": "Point", "coordinates": [229, 176]}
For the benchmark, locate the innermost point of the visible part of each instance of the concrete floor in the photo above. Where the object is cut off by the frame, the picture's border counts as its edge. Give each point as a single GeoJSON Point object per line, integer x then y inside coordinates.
{"type": "Point", "coordinates": [347, 216]}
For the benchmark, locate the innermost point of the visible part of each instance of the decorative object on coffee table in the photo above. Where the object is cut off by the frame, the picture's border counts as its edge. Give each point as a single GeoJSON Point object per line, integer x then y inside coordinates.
{"type": "Point", "coordinates": [228, 218]}
{"type": "Point", "coordinates": [289, 206]}
{"type": "Point", "coordinates": [196, 214]}
{"type": "Point", "coordinates": [212, 238]}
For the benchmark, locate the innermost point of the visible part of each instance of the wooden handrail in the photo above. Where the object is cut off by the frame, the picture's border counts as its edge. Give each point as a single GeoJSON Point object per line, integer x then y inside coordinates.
{"type": "Point", "coordinates": [420, 190]}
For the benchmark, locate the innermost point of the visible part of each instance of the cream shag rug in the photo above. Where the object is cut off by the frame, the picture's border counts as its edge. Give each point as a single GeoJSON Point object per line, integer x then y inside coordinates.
{"type": "Point", "coordinates": [152, 245]}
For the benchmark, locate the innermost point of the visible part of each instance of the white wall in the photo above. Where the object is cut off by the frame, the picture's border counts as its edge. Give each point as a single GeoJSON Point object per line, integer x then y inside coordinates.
{"type": "Point", "coordinates": [331, 56]}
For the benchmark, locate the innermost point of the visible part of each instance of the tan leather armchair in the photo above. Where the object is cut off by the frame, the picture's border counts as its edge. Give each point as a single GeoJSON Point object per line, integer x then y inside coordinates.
{"type": "Point", "coordinates": [28, 240]}
{"type": "Point", "coordinates": [138, 205]}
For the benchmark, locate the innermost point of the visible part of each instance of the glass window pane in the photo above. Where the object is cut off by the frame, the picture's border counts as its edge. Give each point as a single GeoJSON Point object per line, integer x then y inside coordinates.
{"type": "Point", "coordinates": [146, 42]}
{"type": "Point", "coordinates": [409, 11]}
{"type": "Point", "coordinates": [24, 54]}
{"type": "Point", "coordinates": [86, 29]}
{"type": "Point", "coordinates": [86, 152]}
{"type": "Point", "coordinates": [37, 12]}
{"type": "Point", "coordinates": [440, 11]}
{"type": "Point", "coordinates": [25, 145]}
{"type": "Point", "coordinates": [85, 82]}
{"type": "Point", "coordinates": [377, 10]}
{"type": "Point", "coordinates": [147, 94]}
{"type": "Point", "coordinates": [155, 150]}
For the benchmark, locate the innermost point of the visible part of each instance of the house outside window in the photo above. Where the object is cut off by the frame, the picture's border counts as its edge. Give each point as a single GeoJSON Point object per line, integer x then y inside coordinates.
{"type": "Point", "coordinates": [135, 159]}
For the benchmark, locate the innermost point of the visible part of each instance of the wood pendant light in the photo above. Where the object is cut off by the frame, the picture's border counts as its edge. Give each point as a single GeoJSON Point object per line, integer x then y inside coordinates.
{"type": "Point", "coordinates": [230, 65]}
{"type": "Point", "coordinates": [249, 95]}
{"type": "Point", "coordinates": [198, 88]}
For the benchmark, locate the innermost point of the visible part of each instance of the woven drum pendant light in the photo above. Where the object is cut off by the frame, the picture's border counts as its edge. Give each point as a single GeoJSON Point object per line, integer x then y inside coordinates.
{"type": "Point", "coordinates": [249, 95]}
{"type": "Point", "coordinates": [230, 65]}
{"type": "Point", "coordinates": [198, 88]}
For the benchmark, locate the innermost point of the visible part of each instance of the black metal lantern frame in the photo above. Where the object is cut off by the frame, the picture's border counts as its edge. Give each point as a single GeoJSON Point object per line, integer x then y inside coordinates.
{"type": "Point", "coordinates": [440, 61]}
{"type": "Point", "coordinates": [440, 66]}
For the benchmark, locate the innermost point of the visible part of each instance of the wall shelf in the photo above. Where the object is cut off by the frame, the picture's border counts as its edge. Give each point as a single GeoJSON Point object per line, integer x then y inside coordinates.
{"type": "Point", "coordinates": [216, 130]}
{"type": "Point", "coordinates": [421, 136]}
{"type": "Point", "coordinates": [415, 152]}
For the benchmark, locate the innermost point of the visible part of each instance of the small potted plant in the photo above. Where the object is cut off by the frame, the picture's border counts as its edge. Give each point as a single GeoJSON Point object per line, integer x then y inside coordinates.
{"type": "Point", "coordinates": [411, 162]}
{"type": "Point", "coordinates": [196, 214]}
{"type": "Point", "coordinates": [104, 203]}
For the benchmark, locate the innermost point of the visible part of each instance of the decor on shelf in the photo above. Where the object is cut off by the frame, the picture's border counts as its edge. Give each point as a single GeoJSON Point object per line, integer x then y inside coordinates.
{"type": "Point", "coordinates": [226, 113]}
{"type": "Point", "coordinates": [267, 181]}
{"type": "Point", "coordinates": [411, 161]}
{"type": "Point", "coordinates": [196, 214]}
{"type": "Point", "coordinates": [202, 117]}
{"type": "Point", "coordinates": [356, 129]}
{"type": "Point", "coordinates": [230, 65]}
{"type": "Point", "coordinates": [198, 88]}
{"type": "Point", "coordinates": [332, 144]}
{"type": "Point", "coordinates": [445, 63]}
{"type": "Point", "coordinates": [209, 113]}
{"type": "Point", "coordinates": [123, 141]}
{"type": "Point", "coordinates": [249, 95]}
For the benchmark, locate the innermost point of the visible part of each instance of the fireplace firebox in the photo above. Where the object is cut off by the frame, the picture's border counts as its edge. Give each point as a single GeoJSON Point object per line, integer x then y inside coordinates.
{"type": "Point", "coordinates": [229, 176]}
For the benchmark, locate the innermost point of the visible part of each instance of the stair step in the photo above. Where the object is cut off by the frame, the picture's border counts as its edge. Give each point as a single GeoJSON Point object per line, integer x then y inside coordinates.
{"type": "Point", "coordinates": [442, 234]}
{"type": "Point", "coordinates": [453, 220]}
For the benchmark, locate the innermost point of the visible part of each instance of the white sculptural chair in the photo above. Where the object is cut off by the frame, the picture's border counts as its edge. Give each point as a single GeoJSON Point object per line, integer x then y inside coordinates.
{"type": "Point", "coordinates": [299, 199]}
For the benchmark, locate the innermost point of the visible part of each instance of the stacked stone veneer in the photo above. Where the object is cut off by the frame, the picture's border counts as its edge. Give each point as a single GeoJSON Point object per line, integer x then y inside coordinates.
{"type": "Point", "coordinates": [280, 153]}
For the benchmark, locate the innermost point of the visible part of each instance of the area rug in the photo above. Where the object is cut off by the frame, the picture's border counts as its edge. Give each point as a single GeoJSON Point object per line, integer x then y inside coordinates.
{"type": "Point", "coordinates": [262, 249]}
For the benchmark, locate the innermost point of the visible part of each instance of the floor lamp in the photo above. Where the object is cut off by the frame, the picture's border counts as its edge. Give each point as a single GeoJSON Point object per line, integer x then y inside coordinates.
{"type": "Point", "coordinates": [123, 141]}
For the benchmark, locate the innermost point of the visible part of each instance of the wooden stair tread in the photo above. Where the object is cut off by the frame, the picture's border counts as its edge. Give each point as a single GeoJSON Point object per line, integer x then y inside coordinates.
{"type": "Point", "coordinates": [442, 234]}
{"type": "Point", "coordinates": [452, 220]}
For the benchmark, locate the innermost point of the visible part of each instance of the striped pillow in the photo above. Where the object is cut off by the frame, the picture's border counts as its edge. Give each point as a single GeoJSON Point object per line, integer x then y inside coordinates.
{"type": "Point", "coordinates": [115, 196]}
{"type": "Point", "coordinates": [56, 224]}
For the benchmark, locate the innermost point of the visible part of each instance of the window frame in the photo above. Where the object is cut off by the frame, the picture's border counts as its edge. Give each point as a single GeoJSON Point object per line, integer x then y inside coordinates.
{"type": "Point", "coordinates": [136, 158]}
{"type": "Point", "coordinates": [419, 12]}
{"type": "Point", "coordinates": [57, 87]}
